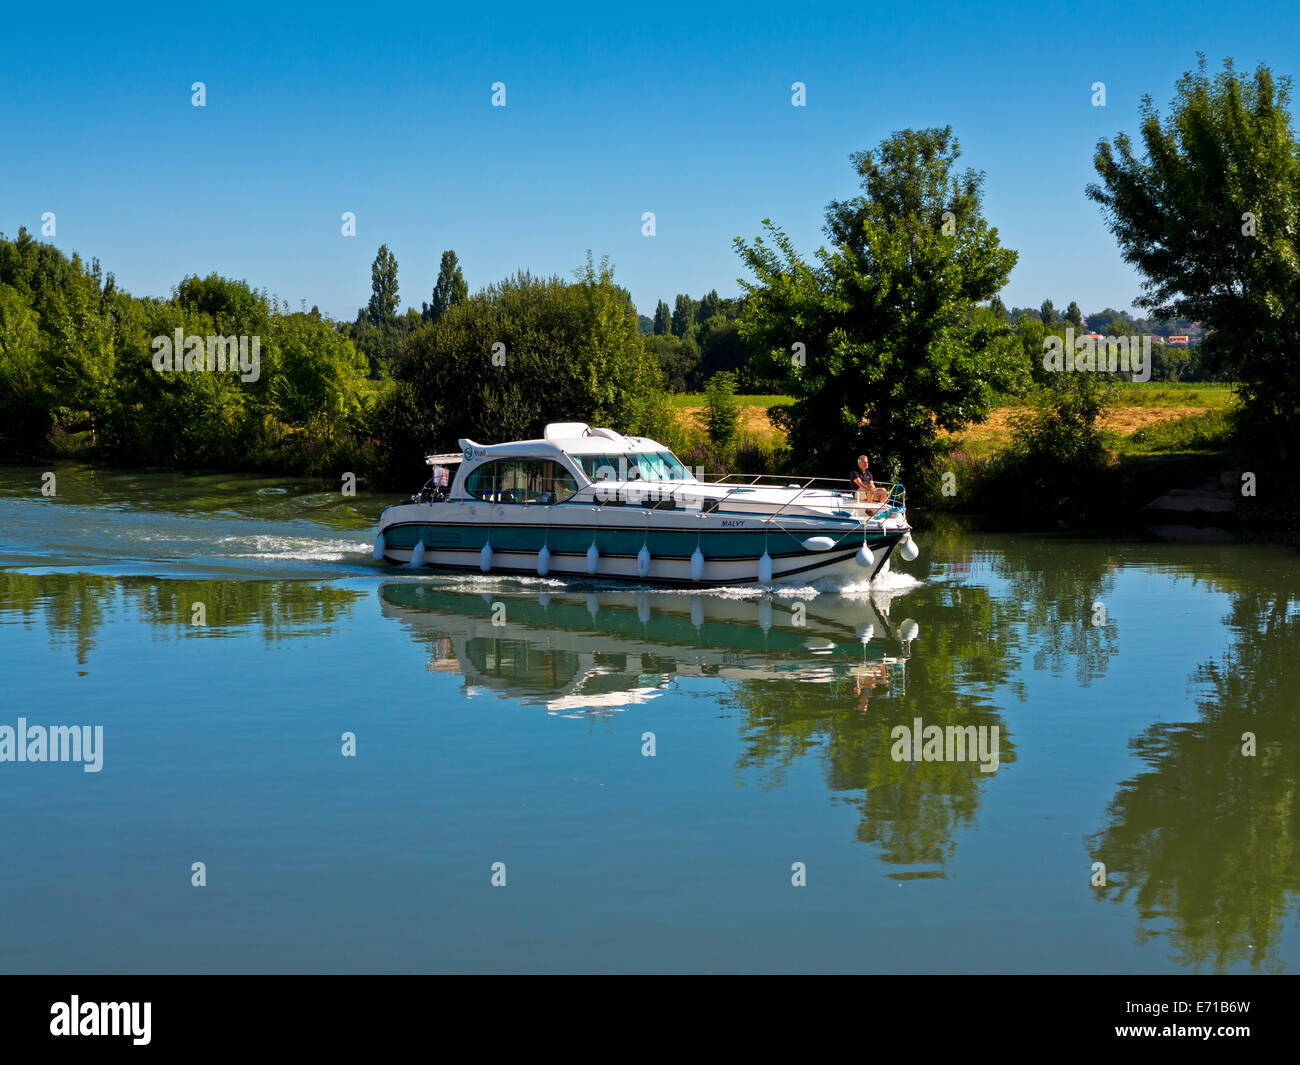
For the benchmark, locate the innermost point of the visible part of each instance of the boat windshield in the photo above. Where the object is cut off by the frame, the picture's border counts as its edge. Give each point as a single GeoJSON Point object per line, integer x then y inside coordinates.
{"type": "Point", "coordinates": [643, 465]}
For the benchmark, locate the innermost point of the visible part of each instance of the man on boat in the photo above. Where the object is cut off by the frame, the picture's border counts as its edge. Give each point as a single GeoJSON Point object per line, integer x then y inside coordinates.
{"type": "Point", "coordinates": [864, 486]}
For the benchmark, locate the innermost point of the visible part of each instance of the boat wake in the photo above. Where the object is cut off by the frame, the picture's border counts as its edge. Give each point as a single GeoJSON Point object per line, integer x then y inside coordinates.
{"type": "Point", "coordinates": [295, 549]}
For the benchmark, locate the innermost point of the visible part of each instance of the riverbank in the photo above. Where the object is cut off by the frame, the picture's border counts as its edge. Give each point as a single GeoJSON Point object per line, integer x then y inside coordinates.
{"type": "Point", "coordinates": [1163, 454]}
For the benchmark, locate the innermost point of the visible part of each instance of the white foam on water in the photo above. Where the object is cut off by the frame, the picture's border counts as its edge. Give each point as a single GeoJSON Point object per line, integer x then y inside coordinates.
{"type": "Point", "coordinates": [895, 583]}
{"type": "Point", "coordinates": [298, 548]}
{"type": "Point", "coordinates": [470, 582]}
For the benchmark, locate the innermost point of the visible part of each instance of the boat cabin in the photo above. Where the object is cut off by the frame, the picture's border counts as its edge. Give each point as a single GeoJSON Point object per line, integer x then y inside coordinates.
{"type": "Point", "coordinates": [570, 457]}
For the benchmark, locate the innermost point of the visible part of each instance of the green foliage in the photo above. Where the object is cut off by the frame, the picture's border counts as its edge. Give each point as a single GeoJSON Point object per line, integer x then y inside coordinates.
{"type": "Point", "coordinates": [1210, 432]}
{"type": "Point", "coordinates": [900, 343]}
{"type": "Point", "coordinates": [449, 290]}
{"type": "Point", "coordinates": [572, 351]}
{"type": "Point", "coordinates": [722, 411]}
{"type": "Point", "coordinates": [382, 308]}
{"type": "Point", "coordinates": [678, 360]}
{"type": "Point", "coordinates": [663, 319]}
{"type": "Point", "coordinates": [683, 320]}
{"type": "Point", "coordinates": [1210, 215]}
{"type": "Point", "coordinates": [1056, 459]}
{"type": "Point", "coordinates": [77, 373]}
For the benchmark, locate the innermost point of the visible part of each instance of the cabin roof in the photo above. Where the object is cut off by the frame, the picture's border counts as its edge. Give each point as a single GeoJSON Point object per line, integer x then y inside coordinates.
{"type": "Point", "coordinates": [573, 438]}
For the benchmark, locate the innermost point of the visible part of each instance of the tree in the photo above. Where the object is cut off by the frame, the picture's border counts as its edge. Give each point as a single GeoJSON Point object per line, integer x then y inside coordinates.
{"type": "Point", "coordinates": [569, 351]}
{"type": "Point", "coordinates": [449, 290]}
{"type": "Point", "coordinates": [890, 346]}
{"type": "Point", "coordinates": [1047, 312]}
{"type": "Point", "coordinates": [382, 309]}
{"type": "Point", "coordinates": [683, 315]}
{"type": "Point", "coordinates": [1074, 315]}
{"type": "Point", "coordinates": [1210, 216]}
{"type": "Point", "coordinates": [663, 319]}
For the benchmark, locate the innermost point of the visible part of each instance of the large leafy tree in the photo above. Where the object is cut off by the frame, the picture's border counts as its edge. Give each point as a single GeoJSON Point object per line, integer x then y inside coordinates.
{"type": "Point", "coordinates": [896, 347]}
{"type": "Point", "coordinates": [1210, 216]}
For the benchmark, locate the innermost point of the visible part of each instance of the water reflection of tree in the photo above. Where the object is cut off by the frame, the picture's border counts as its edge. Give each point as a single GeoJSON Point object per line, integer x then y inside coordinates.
{"type": "Point", "coordinates": [278, 608]}
{"type": "Point", "coordinates": [1058, 585]}
{"type": "Point", "coordinates": [74, 606]}
{"type": "Point", "coordinates": [71, 606]}
{"type": "Point", "coordinates": [976, 639]}
{"type": "Point", "coordinates": [910, 811]}
{"type": "Point", "coordinates": [1204, 841]}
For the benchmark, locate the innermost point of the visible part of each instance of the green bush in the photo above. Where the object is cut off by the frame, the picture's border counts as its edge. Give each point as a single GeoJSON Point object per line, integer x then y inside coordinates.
{"type": "Point", "coordinates": [1055, 464]}
{"type": "Point", "coordinates": [723, 415]}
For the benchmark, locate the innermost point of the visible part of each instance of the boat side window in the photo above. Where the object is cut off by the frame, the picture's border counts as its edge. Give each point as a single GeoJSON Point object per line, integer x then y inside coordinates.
{"type": "Point", "coordinates": [599, 467]}
{"type": "Point", "coordinates": [642, 465]}
{"type": "Point", "coordinates": [481, 483]}
{"type": "Point", "coordinates": [521, 481]}
{"type": "Point", "coordinates": [558, 481]}
{"type": "Point", "coordinates": [673, 467]}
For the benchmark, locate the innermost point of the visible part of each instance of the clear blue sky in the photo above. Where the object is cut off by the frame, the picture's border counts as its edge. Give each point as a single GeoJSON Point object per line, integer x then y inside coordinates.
{"type": "Point", "coordinates": [611, 111]}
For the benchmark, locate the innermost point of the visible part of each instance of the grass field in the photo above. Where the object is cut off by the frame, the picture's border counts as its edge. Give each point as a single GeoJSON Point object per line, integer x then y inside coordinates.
{"type": "Point", "coordinates": [1144, 418]}
{"type": "Point", "coordinates": [697, 400]}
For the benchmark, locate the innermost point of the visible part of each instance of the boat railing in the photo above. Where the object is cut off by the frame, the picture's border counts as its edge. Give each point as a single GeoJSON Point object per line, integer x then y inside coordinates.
{"type": "Point", "coordinates": [895, 501]}
{"type": "Point", "coordinates": [738, 483]}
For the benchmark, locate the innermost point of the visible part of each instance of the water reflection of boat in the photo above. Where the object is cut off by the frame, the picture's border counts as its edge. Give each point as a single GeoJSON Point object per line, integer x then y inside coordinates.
{"type": "Point", "coordinates": [612, 649]}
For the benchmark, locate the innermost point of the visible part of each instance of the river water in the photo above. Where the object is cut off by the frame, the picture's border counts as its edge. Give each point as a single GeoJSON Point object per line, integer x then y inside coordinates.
{"type": "Point", "coordinates": [381, 771]}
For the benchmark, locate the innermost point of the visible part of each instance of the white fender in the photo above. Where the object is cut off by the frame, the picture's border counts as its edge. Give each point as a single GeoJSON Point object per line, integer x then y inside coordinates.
{"type": "Point", "coordinates": [765, 569]}
{"type": "Point", "coordinates": [697, 565]}
{"type": "Point", "coordinates": [643, 562]}
{"type": "Point", "coordinates": [865, 632]}
{"type": "Point", "coordinates": [543, 561]}
{"type": "Point", "coordinates": [593, 558]}
{"type": "Point", "coordinates": [485, 558]}
{"type": "Point", "coordinates": [765, 614]}
{"type": "Point", "coordinates": [697, 611]}
{"type": "Point", "coordinates": [908, 549]}
{"type": "Point", "coordinates": [593, 604]}
{"type": "Point", "coordinates": [417, 556]}
{"type": "Point", "coordinates": [909, 630]}
{"type": "Point", "coordinates": [643, 607]}
{"type": "Point", "coordinates": [865, 557]}
{"type": "Point", "coordinates": [379, 548]}
{"type": "Point", "coordinates": [818, 543]}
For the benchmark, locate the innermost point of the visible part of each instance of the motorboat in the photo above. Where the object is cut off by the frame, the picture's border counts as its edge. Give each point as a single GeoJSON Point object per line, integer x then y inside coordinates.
{"type": "Point", "coordinates": [588, 502]}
